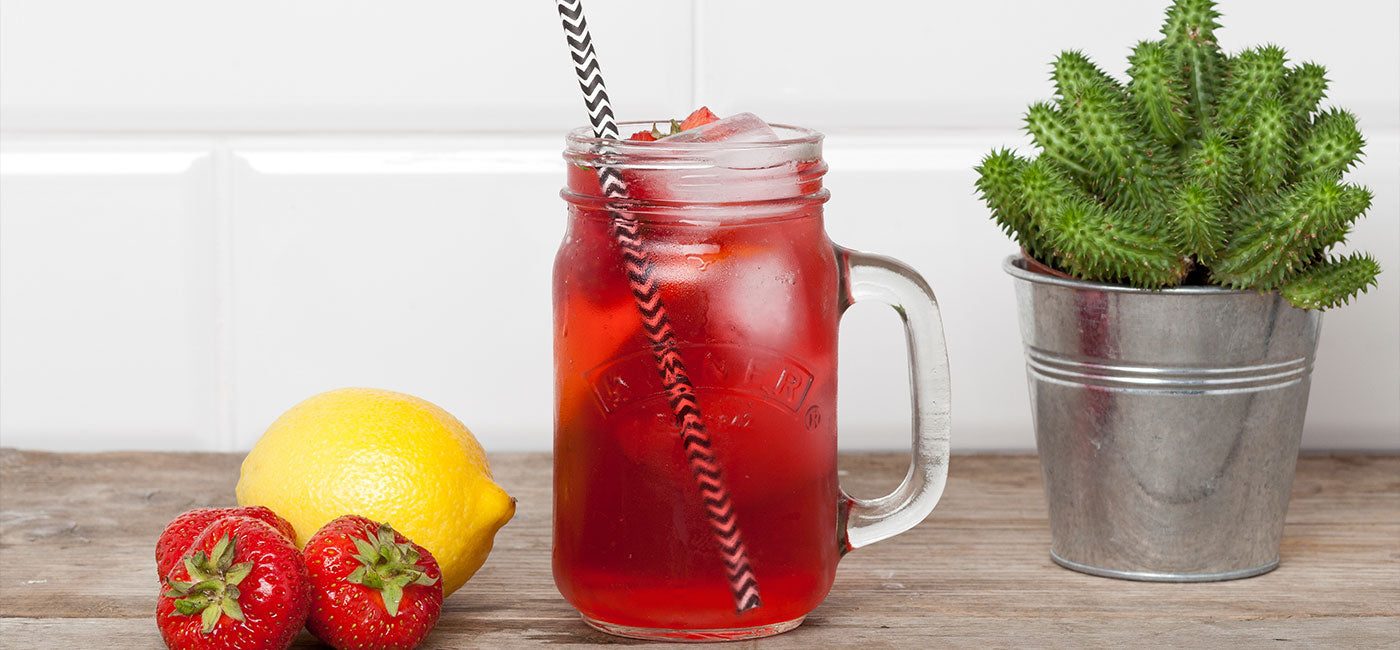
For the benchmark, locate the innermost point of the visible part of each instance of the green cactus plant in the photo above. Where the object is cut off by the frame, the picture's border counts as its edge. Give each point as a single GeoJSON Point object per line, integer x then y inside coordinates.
{"type": "Point", "coordinates": [1203, 167]}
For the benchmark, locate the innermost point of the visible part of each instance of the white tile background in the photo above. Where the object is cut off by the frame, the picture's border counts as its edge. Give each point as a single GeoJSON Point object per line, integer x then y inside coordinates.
{"type": "Point", "coordinates": [209, 211]}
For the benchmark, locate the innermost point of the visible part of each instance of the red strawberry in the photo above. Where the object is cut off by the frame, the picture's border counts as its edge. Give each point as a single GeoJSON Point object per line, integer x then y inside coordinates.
{"type": "Point", "coordinates": [373, 589]}
{"type": "Point", "coordinates": [182, 530]}
{"type": "Point", "coordinates": [242, 584]}
{"type": "Point", "coordinates": [700, 117]}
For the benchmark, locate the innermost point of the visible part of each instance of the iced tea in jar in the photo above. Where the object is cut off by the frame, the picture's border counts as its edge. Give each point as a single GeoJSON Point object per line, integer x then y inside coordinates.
{"type": "Point", "coordinates": [712, 510]}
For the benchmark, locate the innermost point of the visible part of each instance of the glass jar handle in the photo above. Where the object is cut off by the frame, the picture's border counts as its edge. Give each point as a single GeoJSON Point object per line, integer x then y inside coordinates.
{"type": "Point", "coordinates": [874, 277]}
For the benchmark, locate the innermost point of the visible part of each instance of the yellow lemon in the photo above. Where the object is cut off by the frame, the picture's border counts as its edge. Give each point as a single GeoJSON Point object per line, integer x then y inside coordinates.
{"type": "Point", "coordinates": [391, 457]}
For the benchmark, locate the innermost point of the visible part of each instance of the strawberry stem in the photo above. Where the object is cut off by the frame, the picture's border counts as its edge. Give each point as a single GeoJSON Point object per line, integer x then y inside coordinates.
{"type": "Point", "coordinates": [214, 591]}
{"type": "Point", "coordinates": [387, 566]}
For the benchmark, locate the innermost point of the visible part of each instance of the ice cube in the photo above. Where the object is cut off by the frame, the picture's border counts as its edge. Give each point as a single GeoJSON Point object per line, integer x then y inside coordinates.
{"type": "Point", "coordinates": [749, 167]}
{"type": "Point", "coordinates": [743, 127]}
{"type": "Point", "coordinates": [736, 131]}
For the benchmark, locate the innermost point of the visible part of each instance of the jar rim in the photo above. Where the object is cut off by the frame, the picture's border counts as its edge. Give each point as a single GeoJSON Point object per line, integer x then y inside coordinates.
{"type": "Point", "coordinates": [804, 143]}
{"type": "Point", "coordinates": [724, 174]}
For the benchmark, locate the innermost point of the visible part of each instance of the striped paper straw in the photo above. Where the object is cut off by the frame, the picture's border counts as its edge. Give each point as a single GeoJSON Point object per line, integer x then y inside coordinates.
{"type": "Point", "coordinates": [657, 324]}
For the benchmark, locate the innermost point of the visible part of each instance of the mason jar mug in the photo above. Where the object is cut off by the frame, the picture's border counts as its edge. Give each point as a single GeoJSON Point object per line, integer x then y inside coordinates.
{"type": "Point", "coordinates": [695, 338]}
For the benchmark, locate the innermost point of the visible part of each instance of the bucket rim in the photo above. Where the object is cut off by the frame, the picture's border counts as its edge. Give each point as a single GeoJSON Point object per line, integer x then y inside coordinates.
{"type": "Point", "coordinates": [1015, 266]}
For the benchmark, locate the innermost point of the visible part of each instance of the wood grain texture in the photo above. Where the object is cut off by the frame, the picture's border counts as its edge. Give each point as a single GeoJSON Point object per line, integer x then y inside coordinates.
{"type": "Point", "coordinates": [77, 537]}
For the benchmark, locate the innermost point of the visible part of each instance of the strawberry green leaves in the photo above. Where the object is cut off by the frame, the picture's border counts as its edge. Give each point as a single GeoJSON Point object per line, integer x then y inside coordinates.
{"type": "Point", "coordinates": [387, 566]}
{"type": "Point", "coordinates": [699, 117]}
{"type": "Point", "coordinates": [214, 592]}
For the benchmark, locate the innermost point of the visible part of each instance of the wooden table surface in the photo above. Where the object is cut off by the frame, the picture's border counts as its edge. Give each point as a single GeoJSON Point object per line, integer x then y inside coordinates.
{"type": "Point", "coordinates": [78, 531]}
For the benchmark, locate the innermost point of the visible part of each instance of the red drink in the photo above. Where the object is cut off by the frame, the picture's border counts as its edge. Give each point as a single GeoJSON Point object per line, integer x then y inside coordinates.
{"type": "Point", "coordinates": [754, 291]}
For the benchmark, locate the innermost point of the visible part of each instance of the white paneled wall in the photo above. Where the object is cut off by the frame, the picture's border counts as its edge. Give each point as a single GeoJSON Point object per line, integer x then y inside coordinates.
{"type": "Point", "coordinates": [209, 211]}
{"type": "Point", "coordinates": [106, 314]}
{"type": "Point", "coordinates": [834, 64]}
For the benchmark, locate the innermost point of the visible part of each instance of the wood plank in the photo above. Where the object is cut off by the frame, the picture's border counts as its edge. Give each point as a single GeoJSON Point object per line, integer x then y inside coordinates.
{"type": "Point", "coordinates": [77, 535]}
{"type": "Point", "coordinates": [851, 631]}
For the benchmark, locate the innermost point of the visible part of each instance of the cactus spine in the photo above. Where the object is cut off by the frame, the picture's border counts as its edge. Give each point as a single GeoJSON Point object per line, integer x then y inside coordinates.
{"type": "Point", "coordinates": [1202, 165]}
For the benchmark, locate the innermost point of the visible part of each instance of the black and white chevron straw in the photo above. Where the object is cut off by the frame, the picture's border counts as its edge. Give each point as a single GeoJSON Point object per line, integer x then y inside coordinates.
{"type": "Point", "coordinates": [647, 292]}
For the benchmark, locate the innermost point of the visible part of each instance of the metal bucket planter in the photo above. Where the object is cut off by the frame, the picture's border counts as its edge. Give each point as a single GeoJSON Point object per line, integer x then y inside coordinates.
{"type": "Point", "coordinates": [1167, 423]}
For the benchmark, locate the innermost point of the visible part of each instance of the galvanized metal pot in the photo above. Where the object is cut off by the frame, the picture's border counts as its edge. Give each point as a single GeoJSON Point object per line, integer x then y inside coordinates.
{"type": "Point", "coordinates": [1167, 423]}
